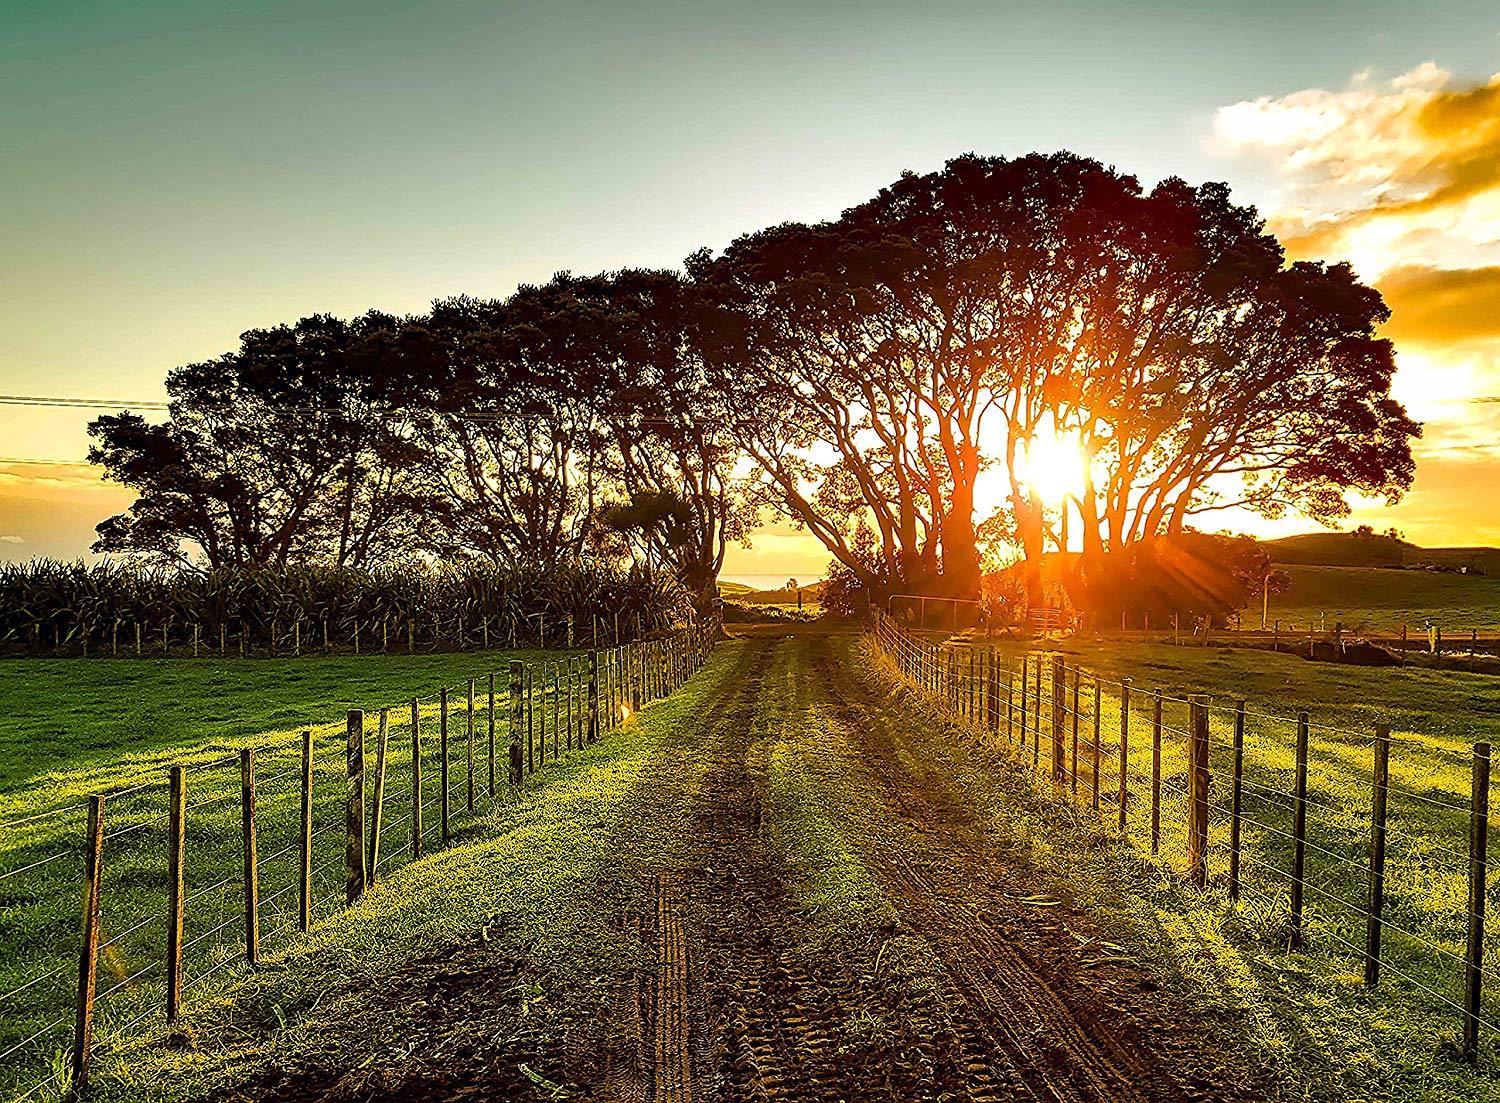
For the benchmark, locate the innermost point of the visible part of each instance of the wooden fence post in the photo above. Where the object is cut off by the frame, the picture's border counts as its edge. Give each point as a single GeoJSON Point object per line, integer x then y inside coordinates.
{"type": "Point", "coordinates": [377, 804]}
{"type": "Point", "coordinates": [354, 807]}
{"type": "Point", "coordinates": [1373, 914]}
{"type": "Point", "coordinates": [1036, 717]}
{"type": "Point", "coordinates": [1198, 791]}
{"type": "Point", "coordinates": [416, 779]}
{"type": "Point", "coordinates": [1025, 689]}
{"type": "Point", "coordinates": [517, 717]}
{"type": "Point", "coordinates": [177, 847]}
{"type": "Point", "coordinates": [444, 796]}
{"type": "Point", "coordinates": [88, 953]}
{"type": "Point", "coordinates": [1479, 828]}
{"type": "Point", "coordinates": [1098, 725]}
{"type": "Point", "coordinates": [1156, 772]}
{"type": "Point", "coordinates": [304, 863]}
{"type": "Point", "coordinates": [469, 750]}
{"type": "Point", "coordinates": [531, 715]}
{"type": "Point", "coordinates": [593, 691]}
{"type": "Point", "coordinates": [1236, 800]}
{"type": "Point", "coordinates": [490, 718]}
{"type": "Point", "coordinates": [1059, 683]}
{"type": "Point", "coordinates": [1299, 832]}
{"type": "Point", "coordinates": [557, 702]}
{"type": "Point", "coordinates": [1077, 681]}
{"type": "Point", "coordinates": [1124, 794]}
{"type": "Point", "coordinates": [252, 873]}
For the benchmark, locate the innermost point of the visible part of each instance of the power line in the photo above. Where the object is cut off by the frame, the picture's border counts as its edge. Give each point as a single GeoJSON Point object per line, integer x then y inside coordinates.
{"type": "Point", "coordinates": [80, 403]}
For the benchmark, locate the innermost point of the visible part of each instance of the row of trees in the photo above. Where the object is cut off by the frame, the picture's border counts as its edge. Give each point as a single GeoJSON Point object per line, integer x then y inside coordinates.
{"type": "Point", "coordinates": [863, 377]}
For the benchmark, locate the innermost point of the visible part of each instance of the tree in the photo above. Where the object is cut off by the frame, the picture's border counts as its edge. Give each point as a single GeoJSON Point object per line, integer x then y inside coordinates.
{"type": "Point", "coordinates": [806, 389]}
{"type": "Point", "coordinates": [1000, 302]}
{"type": "Point", "coordinates": [294, 448]}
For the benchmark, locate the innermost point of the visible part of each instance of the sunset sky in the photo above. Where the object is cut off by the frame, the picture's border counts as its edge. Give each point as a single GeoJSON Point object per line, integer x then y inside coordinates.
{"type": "Point", "coordinates": [176, 173]}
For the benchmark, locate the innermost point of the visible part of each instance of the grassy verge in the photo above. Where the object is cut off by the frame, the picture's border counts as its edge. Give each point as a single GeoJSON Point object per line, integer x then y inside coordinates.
{"type": "Point", "coordinates": [115, 727]}
{"type": "Point", "coordinates": [491, 950]}
{"type": "Point", "coordinates": [1318, 1032]}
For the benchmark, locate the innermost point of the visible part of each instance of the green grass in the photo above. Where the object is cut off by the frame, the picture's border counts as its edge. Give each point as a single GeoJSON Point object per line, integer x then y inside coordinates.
{"type": "Point", "coordinates": [1376, 599]}
{"type": "Point", "coordinates": [1310, 1006]}
{"type": "Point", "coordinates": [115, 726]}
{"type": "Point", "coordinates": [528, 878]}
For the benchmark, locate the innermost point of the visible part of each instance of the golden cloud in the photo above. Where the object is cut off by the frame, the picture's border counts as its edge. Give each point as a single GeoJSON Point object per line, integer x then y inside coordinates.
{"type": "Point", "coordinates": [1442, 305]}
{"type": "Point", "coordinates": [1385, 173]}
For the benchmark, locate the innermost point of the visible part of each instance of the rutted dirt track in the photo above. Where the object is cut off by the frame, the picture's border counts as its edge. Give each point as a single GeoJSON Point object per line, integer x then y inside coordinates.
{"type": "Point", "coordinates": [976, 986]}
{"type": "Point", "coordinates": [741, 1011]}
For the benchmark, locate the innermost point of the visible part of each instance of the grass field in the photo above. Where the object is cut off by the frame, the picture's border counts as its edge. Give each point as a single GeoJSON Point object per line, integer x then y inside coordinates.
{"type": "Point", "coordinates": [1435, 717]}
{"type": "Point", "coordinates": [1378, 599]}
{"type": "Point", "coordinates": [114, 727]}
{"type": "Point", "coordinates": [509, 950]}
{"type": "Point", "coordinates": [899, 845]}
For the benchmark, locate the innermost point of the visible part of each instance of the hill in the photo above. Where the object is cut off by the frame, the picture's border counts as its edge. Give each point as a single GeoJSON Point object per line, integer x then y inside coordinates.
{"type": "Point", "coordinates": [1363, 548]}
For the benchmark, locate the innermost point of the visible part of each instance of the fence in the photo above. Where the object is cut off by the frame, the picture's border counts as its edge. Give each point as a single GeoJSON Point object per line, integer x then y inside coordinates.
{"type": "Point", "coordinates": [166, 637]}
{"type": "Point", "coordinates": [218, 861]}
{"type": "Point", "coordinates": [1365, 845]}
{"type": "Point", "coordinates": [1404, 638]}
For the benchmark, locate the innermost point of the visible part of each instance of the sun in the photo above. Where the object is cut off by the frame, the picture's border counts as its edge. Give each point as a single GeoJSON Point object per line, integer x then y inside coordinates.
{"type": "Point", "coordinates": [1053, 466]}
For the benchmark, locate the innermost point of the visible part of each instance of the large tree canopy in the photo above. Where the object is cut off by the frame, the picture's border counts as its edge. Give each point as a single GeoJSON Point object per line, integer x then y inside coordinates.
{"type": "Point", "coordinates": [297, 446]}
{"type": "Point", "coordinates": [895, 381]}
{"type": "Point", "coordinates": [889, 357]}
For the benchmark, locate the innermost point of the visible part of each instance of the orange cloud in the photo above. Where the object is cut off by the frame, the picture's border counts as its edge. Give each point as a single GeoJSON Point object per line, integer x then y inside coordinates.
{"type": "Point", "coordinates": [52, 508]}
{"type": "Point", "coordinates": [1385, 173]}
{"type": "Point", "coordinates": [1442, 306]}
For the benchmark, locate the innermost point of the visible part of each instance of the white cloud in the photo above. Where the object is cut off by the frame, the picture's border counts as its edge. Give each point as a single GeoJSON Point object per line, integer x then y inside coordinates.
{"type": "Point", "coordinates": [1384, 173]}
{"type": "Point", "coordinates": [12, 540]}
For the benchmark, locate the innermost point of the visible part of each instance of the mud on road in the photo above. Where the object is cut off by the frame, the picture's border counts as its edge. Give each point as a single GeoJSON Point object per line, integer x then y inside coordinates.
{"type": "Point", "coordinates": [952, 973]}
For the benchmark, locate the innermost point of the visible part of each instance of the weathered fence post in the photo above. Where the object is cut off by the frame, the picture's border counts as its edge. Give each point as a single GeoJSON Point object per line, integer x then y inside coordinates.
{"type": "Point", "coordinates": [1236, 800]}
{"type": "Point", "coordinates": [1156, 771]}
{"type": "Point", "coordinates": [1479, 828]}
{"type": "Point", "coordinates": [88, 952]}
{"type": "Point", "coordinates": [1059, 684]}
{"type": "Point", "coordinates": [530, 720]}
{"type": "Point", "coordinates": [416, 779]}
{"type": "Point", "coordinates": [177, 847]}
{"type": "Point", "coordinates": [444, 796]}
{"type": "Point", "coordinates": [1025, 689]}
{"type": "Point", "coordinates": [252, 873]}
{"type": "Point", "coordinates": [1077, 681]}
{"type": "Point", "coordinates": [517, 718]}
{"type": "Point", "coordinates": [490, 718]}
{"type": "Point", "coordinates": [469, 750]}
{"type": "Point", "coordinates": [354, 807]}
{"type": "Point", "coordinates": [593, 721]}
{"type": "Point", "coordinates": [1198, 791]}
{"type": "Point", "coordinates": [1098, 725]}
{"type": "Point", "coordinates": [1036, 718]}
{"type": "Point", "coordinates": [1373, 914]}
{"type": "Point", "coordinates": [1299, 832]}
{"type": "Point", "coordinates": [377, 804]}
{"type": "Point", "coordinates": [304, 838]}
{"type": "Point", "coordinates": [1124, 750]}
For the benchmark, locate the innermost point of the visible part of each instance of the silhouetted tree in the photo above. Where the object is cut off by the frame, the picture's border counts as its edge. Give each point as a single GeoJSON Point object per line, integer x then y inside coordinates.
{"type": "Point", "coordinates": [296, 448]}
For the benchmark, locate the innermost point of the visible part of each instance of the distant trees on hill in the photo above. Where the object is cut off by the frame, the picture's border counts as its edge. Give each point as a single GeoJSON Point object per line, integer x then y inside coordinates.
{"type": "Point", "coordinates": [903, 382]}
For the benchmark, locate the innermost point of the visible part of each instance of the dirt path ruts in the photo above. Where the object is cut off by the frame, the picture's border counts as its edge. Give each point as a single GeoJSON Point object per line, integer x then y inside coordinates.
{"type": "Point", "coordinates": [1017, 976]}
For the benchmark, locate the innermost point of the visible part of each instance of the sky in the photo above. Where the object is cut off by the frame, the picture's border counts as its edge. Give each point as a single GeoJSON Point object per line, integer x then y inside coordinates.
{"type": "Point", "coordinates": [177, 173]}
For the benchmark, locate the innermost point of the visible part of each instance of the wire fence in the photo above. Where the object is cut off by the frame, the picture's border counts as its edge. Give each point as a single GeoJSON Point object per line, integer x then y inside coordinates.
{"type": "Point", "coordinates": [201, 871]}
{"type": "Point", "coordinates": [1368, 846]}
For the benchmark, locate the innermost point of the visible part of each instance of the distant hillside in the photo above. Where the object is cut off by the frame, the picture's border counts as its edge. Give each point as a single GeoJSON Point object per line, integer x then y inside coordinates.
{"type": "Point", "coordinates": [1369, 549]}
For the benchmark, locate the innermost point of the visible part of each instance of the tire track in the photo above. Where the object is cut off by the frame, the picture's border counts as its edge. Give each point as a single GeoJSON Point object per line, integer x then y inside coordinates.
{"type": "Point", "coordinates": [1072, 1046]}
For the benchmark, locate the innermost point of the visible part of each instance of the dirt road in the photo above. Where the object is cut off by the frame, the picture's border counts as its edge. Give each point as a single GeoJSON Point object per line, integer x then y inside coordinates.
{"type": "Point", "coordinates": [821, 908]}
